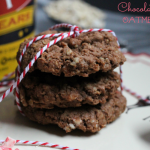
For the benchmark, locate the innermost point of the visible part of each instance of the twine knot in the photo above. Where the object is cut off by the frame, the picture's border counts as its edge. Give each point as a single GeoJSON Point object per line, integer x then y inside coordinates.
{"type": "Point", "coordinates": [75, 29]}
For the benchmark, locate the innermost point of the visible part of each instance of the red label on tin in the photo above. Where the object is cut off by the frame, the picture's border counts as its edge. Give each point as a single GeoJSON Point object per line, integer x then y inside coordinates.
{"type": "Point", "coordinates": [7, 6]}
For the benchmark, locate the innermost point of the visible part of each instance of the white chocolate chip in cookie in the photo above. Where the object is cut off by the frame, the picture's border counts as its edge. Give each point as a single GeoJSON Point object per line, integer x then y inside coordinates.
{"type": "Point", "coordinates": [77, 121]}
{"type": "Point", "coordinates": [94, 89]}
{"type": "Point", "coordinates": [72, 126]}
{"type": "Point", "coordinates": [69, 51]}
{"type": "Point", "coordinates": [76, 59]}
{"type": "Point", "coordinates": [67, 129]}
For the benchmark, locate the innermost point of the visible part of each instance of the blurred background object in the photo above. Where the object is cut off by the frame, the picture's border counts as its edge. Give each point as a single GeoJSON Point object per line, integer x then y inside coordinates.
{"type": "Point", "coordinates": [76, 12]}
{"type": "Point", "coordinates": [16, 25]}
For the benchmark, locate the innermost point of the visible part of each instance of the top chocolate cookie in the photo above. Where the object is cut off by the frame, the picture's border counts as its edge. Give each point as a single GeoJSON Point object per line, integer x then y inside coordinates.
{"type": "Point", "coordinates": [83, 55]}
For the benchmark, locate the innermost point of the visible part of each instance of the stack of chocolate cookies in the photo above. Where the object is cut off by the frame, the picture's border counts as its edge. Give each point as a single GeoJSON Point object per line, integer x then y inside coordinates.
{"type": "Point", "coordinates": [73, 83]}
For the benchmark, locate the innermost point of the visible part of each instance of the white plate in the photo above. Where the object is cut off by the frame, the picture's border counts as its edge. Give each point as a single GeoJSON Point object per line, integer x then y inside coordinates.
{"type": "Point", "coordinates": [128, 132]}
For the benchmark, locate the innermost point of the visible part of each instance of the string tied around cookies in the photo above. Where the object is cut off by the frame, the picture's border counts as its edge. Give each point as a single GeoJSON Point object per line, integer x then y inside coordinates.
{"type": "Point", "coordinates": [74, 31]}
{"type": "Point", "coordinates": [73, 28]}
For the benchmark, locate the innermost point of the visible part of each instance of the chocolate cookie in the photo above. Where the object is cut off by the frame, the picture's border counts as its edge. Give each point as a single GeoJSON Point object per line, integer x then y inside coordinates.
{"type": "Point", "coordinates": [44, 90]}
{"type": "Point", "coordinates": [86, 118]}
{"type": "Point", "coordinates": [86, 54]}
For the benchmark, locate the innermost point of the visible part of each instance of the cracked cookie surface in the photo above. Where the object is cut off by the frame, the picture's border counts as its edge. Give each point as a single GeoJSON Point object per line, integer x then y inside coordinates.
{"type": "Point", "coordinates": [83, 55]}
{"type": "Point", "coordinates": [44, 90]}
{"type": "Point", "coordinates": [86, 118]}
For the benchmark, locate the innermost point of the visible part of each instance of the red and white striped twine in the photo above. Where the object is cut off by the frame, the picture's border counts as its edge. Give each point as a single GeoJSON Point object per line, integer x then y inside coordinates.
{"type": "Point", "coordinates": [7, 76]}
{"type": "Point", "coordinates": [37, 143]}
{"type": "Point", "coordinates": [74, 31]}
{"type": "Point", "coordinates": [4, 81]}
{"type": "Point", "coordinates": [136, 95]}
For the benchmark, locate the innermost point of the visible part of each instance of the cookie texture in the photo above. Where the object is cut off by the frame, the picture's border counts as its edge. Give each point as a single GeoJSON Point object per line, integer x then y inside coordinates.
{"type": "Point", "coordinates": [86, 118]}
{"type": "Point", "coordinates": [44, 90]}
{"type": "Point", "coordinates": [83, 55]}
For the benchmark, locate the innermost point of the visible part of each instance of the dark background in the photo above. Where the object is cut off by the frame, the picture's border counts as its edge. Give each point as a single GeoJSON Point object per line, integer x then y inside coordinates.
{"type": "Point", "coordinates": [113, 5]}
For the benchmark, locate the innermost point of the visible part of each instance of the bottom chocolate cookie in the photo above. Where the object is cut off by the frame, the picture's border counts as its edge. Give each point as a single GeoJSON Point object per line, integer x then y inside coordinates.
{"type": "Point", "coordinates": [86, 118]}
